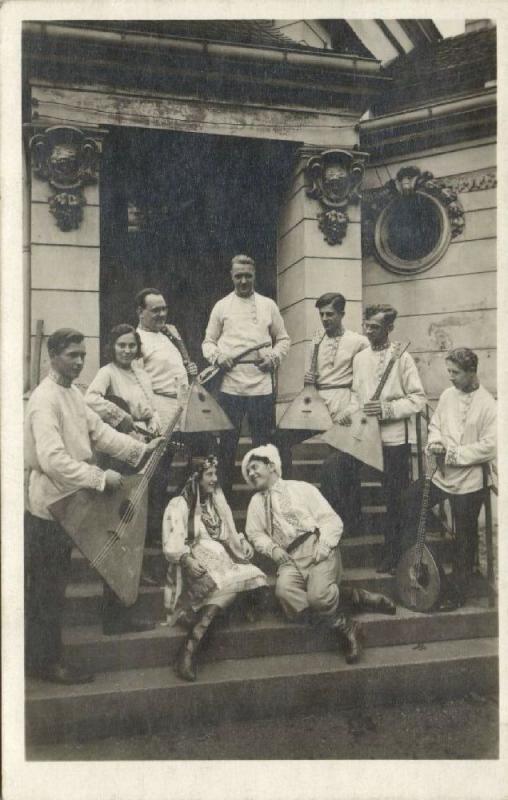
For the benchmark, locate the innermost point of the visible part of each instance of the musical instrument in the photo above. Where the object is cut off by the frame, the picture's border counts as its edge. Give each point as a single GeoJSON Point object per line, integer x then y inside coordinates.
{"type": "Point", "coordinates": [362, 439]}
{"type": "Point", "coordinates": [307, 411]}
{"type": "Point", "coordinates": [203, 414]}
{"type": "Point", "coordinates": [104, 525]}
{"type": "Point", "coordinates": [207, 375]}
{"type": "Point", "coordinates": [418, 575]}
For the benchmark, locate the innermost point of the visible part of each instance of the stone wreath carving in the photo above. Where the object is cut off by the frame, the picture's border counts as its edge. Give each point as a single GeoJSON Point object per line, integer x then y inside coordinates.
{"type": "Point", "coordinates": [67, 159]}
{"type": "Point", "coordinates": [335, 177]}
{"type": "Point", "coordinates": [409, 222]}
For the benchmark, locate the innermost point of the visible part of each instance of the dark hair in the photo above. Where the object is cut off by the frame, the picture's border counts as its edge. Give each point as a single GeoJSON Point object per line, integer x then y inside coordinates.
{"type": "Point", "coordinates": [115, 333]}
{"type": "Point", "coordinates": [242, 259]}
{"type": "Point", "coordinates": [335, 299]}
{"type": "Point", "coordinates": [389, 312]}
{"type": "Point", "coordinates": [464, 358]}
{"type": "Point", "coordinates": [143, 294]}
{"type": "Point", "coordinates": [62, 338]}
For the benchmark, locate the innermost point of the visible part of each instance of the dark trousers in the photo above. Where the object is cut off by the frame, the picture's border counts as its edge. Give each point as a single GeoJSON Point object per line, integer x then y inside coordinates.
{"type": "Point", "coordinates": [395, 482]}
{"type": "Point", "coordinates": [259, 410]}
{"type": "Point", "coordinates": [158, 498]}
{"type": "Point", "coordinates": [340, 485]}
{"type": "Point", "coordinates": [466, 510]}
{"type": "Point", "coordinates": [47, 567]}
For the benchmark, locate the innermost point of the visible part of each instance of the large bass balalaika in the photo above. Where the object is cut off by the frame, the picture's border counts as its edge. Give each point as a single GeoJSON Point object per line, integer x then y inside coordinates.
{"type": "Point", "coordinates": [107, 527]}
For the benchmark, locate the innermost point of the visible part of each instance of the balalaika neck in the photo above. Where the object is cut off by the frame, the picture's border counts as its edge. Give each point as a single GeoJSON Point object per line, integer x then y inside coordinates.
{"type": "Point", "coordinates": [384, 377]}
{"type": "Point", "coordinates": [153, 461]}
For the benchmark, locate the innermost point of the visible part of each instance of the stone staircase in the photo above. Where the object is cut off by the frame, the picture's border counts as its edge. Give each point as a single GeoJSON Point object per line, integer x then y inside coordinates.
{"type": "Point", "coordinates": [256, 670]}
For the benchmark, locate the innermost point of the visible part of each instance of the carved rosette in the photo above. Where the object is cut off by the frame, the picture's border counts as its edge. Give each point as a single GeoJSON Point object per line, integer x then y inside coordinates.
{"type": "Point", "coordinates": [68, 160]}
{"type": "Point", "coordinates": [334, 179]}
{"type": "Point", "coordinates": [408, 181]}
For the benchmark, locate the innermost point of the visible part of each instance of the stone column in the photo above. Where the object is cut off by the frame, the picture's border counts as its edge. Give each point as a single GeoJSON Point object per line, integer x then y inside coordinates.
{"type": "Point", "coordinates": [321, 202]}
{"type": "Point", "coordinates": [65, 236]}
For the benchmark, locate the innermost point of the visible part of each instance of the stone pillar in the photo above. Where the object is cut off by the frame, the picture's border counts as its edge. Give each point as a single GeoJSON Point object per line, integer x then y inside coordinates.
{"type": "Point", "coordinates": [320, 203]}
{"type": "Point", "coordinates": [65, 237]}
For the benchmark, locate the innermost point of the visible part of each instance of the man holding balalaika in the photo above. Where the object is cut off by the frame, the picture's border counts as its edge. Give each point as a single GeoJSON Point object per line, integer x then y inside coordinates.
{"type": "Point", "coordinates": [462, 438]}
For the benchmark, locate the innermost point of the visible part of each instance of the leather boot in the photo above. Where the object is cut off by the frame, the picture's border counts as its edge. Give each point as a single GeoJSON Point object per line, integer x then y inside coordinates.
{"type": "Point", "coordinates": [351, 634]}
{"type": "Point", "coordinates": [372, 601]}
{"type": "Point", "coordinates": [185, 666]}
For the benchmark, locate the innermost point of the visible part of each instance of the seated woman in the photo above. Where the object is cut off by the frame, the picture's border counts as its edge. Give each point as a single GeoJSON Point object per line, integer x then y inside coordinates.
{"type": "Point", "coordinates": [121, 394]}
{"type": "Point", "coordinates": [208, 558]}
{"type": "Point", "coordinates": [122, 379]}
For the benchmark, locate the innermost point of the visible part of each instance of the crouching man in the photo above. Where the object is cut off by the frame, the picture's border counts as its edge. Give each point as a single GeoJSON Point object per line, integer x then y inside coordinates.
{"type": "Point", "coordinates": [292, 523]}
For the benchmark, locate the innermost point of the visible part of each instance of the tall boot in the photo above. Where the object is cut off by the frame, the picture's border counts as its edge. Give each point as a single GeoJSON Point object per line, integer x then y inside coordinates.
{"type": "Point", "coordinates": [362, 600]}
{"type": "Point", "coordinates": [351, 634]}
{"type": "Point", "coordinates": [185, 666]}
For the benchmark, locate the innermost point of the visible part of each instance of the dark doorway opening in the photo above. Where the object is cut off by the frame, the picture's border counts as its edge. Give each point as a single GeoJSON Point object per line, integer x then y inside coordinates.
{"type": "Point", "coordinates": [175, 208]}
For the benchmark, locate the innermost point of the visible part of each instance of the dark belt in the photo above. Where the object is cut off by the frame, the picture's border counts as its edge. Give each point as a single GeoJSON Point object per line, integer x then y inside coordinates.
{"type": "Point", "coordinates": [247, 361]}
{"type": "Point", "coordinates": [324, 386]}
{"type": "Point", "coordinates": [301, 539]}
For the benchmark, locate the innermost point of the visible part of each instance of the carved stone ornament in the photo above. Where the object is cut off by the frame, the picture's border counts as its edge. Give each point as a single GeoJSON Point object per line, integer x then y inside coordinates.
{"type": "Point", "coordinates": [409, 222]}
{"type": "Point", "coordinates": [67, 159]}
{"type": "Point", "coordinates": [335, 177]}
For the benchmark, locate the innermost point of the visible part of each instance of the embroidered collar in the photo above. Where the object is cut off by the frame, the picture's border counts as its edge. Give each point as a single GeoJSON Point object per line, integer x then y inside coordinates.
{"type": "Point", "coordinates": [59, 379]}
{"type": "Point", "coordinates": [379, 347]}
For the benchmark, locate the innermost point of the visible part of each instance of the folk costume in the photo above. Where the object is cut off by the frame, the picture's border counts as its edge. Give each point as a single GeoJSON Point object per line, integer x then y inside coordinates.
{"type": "Point", "coordinates": [204, 528]}
{"type": "Point", "coordinates": [465, 423]}
{"type": "Point", "coordinates": [402, 398]}
{"type": "Point", "coordinates": [294, 516]}
{"type": "Point", "coordinates": [162, 359]}
{"type": "Point", "coordinates": [61, 434]}
{"type": "Point", "coordinates": [333, 377]}
{"type": "Point", "coordinates": [235, 324]}
{"type": "Point", "coordinates": [132, 385]}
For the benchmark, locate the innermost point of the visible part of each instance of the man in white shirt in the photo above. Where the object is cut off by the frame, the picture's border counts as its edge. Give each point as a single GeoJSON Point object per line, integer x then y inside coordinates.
{"type": "Point", "coordinates": [166, 360]}
{"type": "Point", "coordinates": [241, 320]}
{"type": "Point", "coordinates": [331, 371]}
{"type": "Point", "coordinates": [402, 397]}
{"type": "Point", "coordinates": [291, 523]}
{"type": "Point", "coordinates": [463, 436]}
{"type": "Point", "coordinates": [61, 434]}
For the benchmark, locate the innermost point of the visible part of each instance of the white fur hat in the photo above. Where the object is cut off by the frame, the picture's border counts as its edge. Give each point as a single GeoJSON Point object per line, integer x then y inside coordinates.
{"type": "Point", "coordinates": [268, 451]}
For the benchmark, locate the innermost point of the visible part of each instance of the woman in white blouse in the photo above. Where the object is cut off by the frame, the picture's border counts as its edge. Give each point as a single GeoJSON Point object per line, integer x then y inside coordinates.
{"type": "Point", "coordinates": [123, 378]}
{"type": "Point", "coordinates": [125, 382]}
{"type": "Point", "coordinates": [208, 559]}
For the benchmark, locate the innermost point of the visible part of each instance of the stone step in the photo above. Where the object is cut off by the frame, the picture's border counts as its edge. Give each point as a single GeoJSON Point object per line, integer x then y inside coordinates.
{"type": "Point", "coordinates": [142, 701]}
{"type": "Point", "coordinates": [357, 551]}
{"type": "Point", "coordinates": [272, 635]}
{"type": "Point", "coordinates": [83, 600]}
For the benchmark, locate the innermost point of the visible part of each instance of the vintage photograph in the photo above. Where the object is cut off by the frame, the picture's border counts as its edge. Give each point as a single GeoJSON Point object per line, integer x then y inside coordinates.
{"type": "Point", "coordinates": [259, 276]}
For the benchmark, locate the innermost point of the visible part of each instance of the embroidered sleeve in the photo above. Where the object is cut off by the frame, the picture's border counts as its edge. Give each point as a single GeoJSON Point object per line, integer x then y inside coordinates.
{"type": "Point", "coordinates": [255, 527]}
{"type": "Point", "coordinates": [174, 530]}
{"type": "Point", "coordinates": [451, 455]}
{"type": "Point", "coordinates": [278, 332]}
{"type": "Point", "coordinates": [118, 445]}
{"type": "Point", "coordinates": [95, 398]}
{"type": "Point", "coordinates": [387, 409]}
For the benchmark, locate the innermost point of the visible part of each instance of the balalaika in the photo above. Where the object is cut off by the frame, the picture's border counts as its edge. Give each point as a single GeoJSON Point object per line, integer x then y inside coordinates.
{"type": "Point", "coordinates": [106, 526]}
{"type": "Point", "coordinates": [418, 573]}
{"type": "Point", "coordinates": [362, 439]}
{"type": "Point", "coordinates": [307, 412]}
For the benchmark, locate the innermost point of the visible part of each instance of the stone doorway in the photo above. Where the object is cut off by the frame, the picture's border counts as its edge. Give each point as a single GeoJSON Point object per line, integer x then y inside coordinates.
{"type": "Point", "coordinates": [175, 208]}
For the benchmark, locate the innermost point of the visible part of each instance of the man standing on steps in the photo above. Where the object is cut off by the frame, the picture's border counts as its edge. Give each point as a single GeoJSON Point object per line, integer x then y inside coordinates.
{"type": "Point", "coordinates": [402, 397]}
{"type": "Point", "coordinates": [166, 361]}
{"type": "Point", "coordinates": [331, 371]}
{"type": "Point", "coordinates": [462, 434]}
{"type": "Point", "coordinates": [241, 320]}
{"type": "Point", "coordinates": [61, 433]}
{"type": "Point", "coordinates": [291, 523]}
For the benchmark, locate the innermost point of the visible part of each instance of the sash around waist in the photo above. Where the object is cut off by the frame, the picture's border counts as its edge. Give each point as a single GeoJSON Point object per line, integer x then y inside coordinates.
{"type": "Point", "coordinates": [324, 386]}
